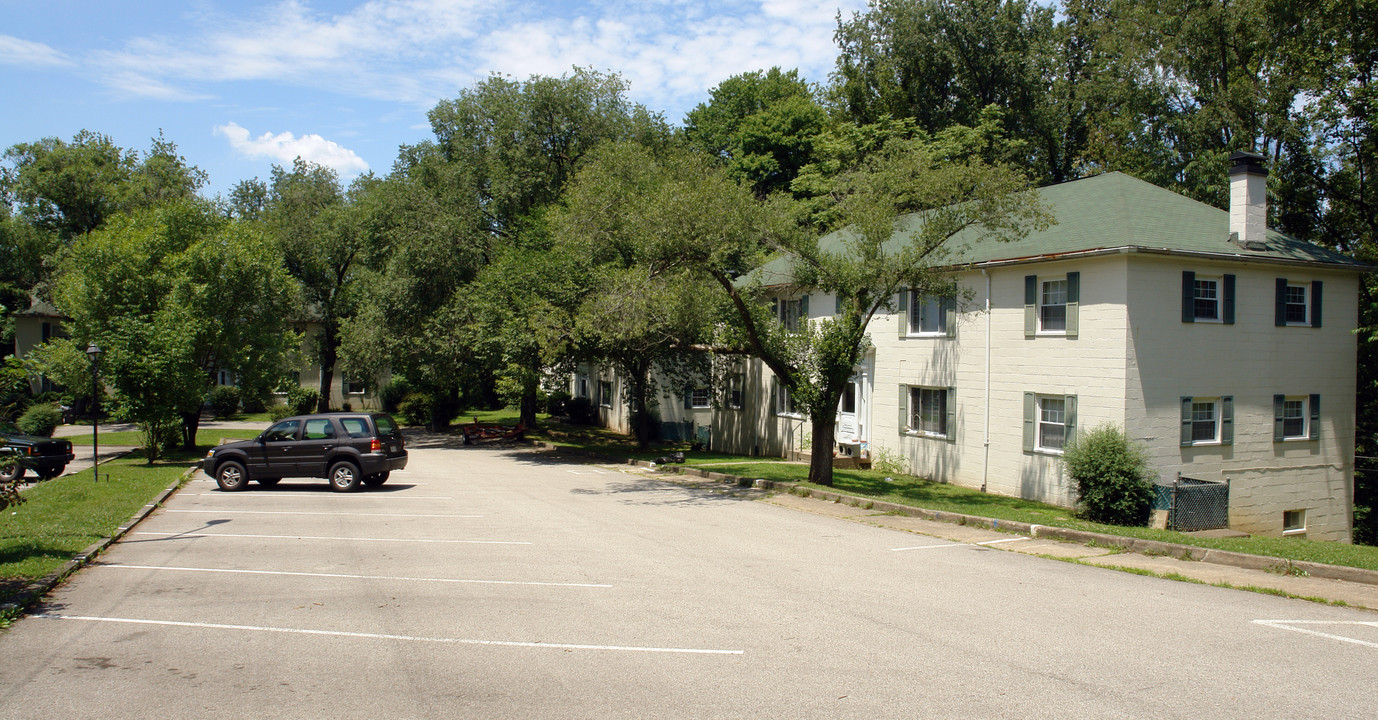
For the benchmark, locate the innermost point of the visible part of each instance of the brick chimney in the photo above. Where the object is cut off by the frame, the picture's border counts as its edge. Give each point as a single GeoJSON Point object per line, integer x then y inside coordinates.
{"type": "Point", "coordinates": [1248, 201]}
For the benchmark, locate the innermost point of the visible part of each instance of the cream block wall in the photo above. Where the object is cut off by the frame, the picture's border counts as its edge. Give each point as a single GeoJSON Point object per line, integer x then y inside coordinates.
{"type": "Point", "coordinates": [1090, 366]}
{"type": "Point", "coordinates": [1251, 361]}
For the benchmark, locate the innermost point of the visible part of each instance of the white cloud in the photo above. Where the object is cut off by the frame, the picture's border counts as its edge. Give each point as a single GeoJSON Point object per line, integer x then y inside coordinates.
{"type": "Point", "coordinates": [419, 51]}
{"type": "Point", "coordinates": [285, 147]}
{"type": "Point", "coordinates": [14, 51]}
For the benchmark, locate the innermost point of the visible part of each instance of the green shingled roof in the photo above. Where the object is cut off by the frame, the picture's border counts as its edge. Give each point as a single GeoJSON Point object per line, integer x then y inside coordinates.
{"type": "Point", "coordinates": [1107, 212]}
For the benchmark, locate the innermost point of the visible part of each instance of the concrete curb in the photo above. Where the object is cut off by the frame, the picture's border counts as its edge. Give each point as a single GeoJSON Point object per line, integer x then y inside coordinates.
{"type": "Point", "coordinates": [38, 588]}
{"type": "Point", "coordinates": [1280, 566]}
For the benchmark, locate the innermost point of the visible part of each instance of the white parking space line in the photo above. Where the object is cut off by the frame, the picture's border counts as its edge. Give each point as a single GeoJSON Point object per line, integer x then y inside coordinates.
{"type": "Point", "coordinates": [291, 493]}
{"type": "Point", "coordinates": [317, 537]}
{"type": "Point", "coordinates": [379, 636]}
{"type": "Point", "coordinates": [1289, 625]}
{"type": "Point", "coordinates": [285, 573]}
{"type": "Point", "coordinates": [585, 471]}
{"type": "Point", "coordinates": [291, 512]}
{"type": "Point", "coordinates": [960, 544]}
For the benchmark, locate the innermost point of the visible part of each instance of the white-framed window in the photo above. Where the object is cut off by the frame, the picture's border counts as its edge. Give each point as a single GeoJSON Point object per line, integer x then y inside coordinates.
{"type": "Point", "coordinates": [1294, 305]}
{"type": "Point", "coordinates": [847, 404]}
{"type": "Point", "coordinates": [700, 396]}
{"type": "Point", "coordinates": [1050, 422]}
{"type": "Point", "coordinates": [1296, 417]}
{"type": "Point", "coordinates": [1293, 522]}
{"type": "Point", "coordinates": [350, 386]}
{"type": "Point", "coordinates": [793, 312]}
{"type": "Point", "coordinates": [605, 393]}
{"type": "Point", "coordinates": [1206, 299]}
{"type": "Point", "coordinates": [928, 411]}
{"type": "Point", "coordinates": [927, 314]}
{"type": "Point", "coordinates": [1207, 420]}
{"type": "Point", "coordinates": [581, 386]}
{"type": "Point", "coordinates": [1052, 306]}
{"type": "Point", "coordinates": [784, 400]}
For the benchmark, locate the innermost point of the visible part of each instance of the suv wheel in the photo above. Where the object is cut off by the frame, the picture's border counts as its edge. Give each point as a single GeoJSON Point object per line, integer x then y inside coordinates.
{"type": "Point", "coordinates": [344, 477]}
{"type": "Point", "coordinates": [376, 479]}
{"type": "Point", "coordinates": [230, 476]}
{"type": "Point", "coordinates": [10, 471]}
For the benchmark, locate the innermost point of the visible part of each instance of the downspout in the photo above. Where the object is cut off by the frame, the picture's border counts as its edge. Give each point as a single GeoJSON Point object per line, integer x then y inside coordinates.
{"type": "Point", "coordinates": [985, 463]}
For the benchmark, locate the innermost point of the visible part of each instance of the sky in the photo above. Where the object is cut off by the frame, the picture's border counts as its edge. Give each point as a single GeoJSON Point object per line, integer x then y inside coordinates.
{"type": "Point", "coordinates": [241, 86]}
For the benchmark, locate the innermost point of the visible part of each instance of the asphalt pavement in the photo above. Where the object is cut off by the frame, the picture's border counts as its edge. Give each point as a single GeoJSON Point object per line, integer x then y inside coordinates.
{"type": "Point", "coordinates": [510, 583]}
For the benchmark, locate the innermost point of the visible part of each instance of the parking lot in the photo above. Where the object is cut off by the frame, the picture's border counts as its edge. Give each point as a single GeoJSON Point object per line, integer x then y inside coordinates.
{"type": "Point", "coordinates": [503, 582]}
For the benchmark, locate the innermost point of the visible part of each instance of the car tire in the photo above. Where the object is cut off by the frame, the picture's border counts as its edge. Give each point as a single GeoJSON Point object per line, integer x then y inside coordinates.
{"type": "Point", "coordinates": [11, 471]}
{"type": "Point", "coordinates": [376, 479]}
{"type": "Point", "coordinates": [231, 477]}
{"type": "Point", "coordinates": [344, 477]}
{"type": "Point", "coordinates": [267, 482]}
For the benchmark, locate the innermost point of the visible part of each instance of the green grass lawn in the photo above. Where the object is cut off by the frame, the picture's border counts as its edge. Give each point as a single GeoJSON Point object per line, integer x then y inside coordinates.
{"type": "Point", "coordinates": [63, 516]}
{"type": "Point", "coordinates": [917, 492]}
{"type": "Point", "coordinates": [204, 436]}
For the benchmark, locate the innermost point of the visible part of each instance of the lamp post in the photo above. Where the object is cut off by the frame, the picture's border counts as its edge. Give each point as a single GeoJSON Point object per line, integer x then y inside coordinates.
{"type": "Point", "coordinates": [93, 352]}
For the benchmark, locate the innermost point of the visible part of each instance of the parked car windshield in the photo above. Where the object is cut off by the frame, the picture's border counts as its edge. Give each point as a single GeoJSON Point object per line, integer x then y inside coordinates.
{"type": "Point", "coordinates": [284, 431]}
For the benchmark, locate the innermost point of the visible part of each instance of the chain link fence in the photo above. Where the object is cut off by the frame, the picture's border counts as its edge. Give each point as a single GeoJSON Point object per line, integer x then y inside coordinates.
{"type": "Point", "coordinates": [1193, 504]}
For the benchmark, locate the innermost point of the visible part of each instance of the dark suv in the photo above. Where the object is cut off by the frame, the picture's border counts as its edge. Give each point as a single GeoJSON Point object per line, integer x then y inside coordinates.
{"type": "Point", "coordinates": [47, 457]}
{"type": "Point", "coordinates": [346, 448]}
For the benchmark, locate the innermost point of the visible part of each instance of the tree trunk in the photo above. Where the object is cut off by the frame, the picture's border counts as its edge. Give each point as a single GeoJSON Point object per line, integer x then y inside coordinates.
{"type": "Point", "coordinates": [330, 352]}
{"type": "Point", "coordinates": [821, 453]}
{"type": "Point", "coordinates": [191, 422]}
{"type": "Point", "coordinates": [529, 401]}
{"type": "Point", "coordinates": [641, 417]}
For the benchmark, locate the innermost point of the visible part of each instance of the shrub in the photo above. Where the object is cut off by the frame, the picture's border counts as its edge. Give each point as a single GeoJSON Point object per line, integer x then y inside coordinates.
{"type": "Point", "coordinates": [303, 400]}
{"type": "Point", "coordinates": [557, 402]}
{"type": "Point", "coordinates": [40, 419]}
{"type": "Point", "coordinates": [393, 394]}
{"type": "Point", "coordinates": [224, 400]}
{"type": "Point", "coordinates": [1112, 476]}
{"type": "Point", "coordinates": [278, 412]}
{"type": "Point", "coordinates": [253, 402]}
{"type": "Point", "coordinates": [581, 411]}
{"type": "Point", "coordinates": [415, 408]}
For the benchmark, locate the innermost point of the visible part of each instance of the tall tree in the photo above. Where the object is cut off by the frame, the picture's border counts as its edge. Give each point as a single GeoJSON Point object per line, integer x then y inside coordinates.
{"type": "Point", "coordinates": [682, 210]}
{"type": "Point", "coordinates": [502, 153]}
{"type": "Point", "coordinates": [762, 125]}
{"type": "Point", "coordinates": [174, 295]}
{"type": "Point", "coordinates": [324, 239]}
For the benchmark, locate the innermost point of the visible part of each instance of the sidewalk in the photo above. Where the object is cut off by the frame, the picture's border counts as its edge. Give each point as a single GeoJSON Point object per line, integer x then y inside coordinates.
{"type": "Point", "coordinates": [67, 431]}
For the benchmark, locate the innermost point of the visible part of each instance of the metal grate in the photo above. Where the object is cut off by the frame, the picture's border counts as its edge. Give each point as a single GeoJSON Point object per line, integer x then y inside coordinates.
{"type": "Point", "coordinates": [1194, 504]}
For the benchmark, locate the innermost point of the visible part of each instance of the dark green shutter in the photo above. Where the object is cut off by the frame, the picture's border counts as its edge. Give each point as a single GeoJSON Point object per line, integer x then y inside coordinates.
{"type": "Point", "coordinates": [1069, 420]}
{"type": "Point", "coordinates": [803, 312]}
{"type": "Point", "coordinates": [775, 309]}
{"type": "Point", "coordinates": [1229, 300]}
{"type": "Point", "coordinates": [688, 397]}
{"type": "Point", "coordinates": [904, 312]}
{"type": "Point", "coordinates": [904, 409]}
{"type": "Point", "coordinates": [837, 304]}
{"type": "Point", "coordinates": [1073, 302]}
{"type": "Point", "coordinates": [1314, 430]}
{"type": "Point", "coordinates": [1030, 305]}
{"type": "Point", "coordinates": [1188, 296]}
{"type": "Point", "coordinates": [951, 407]}
{"type": "Point", "coordinates": [1030, 408]}
{"type": "Point", "coordinates": [774, 395]}
{"type": "Point", "coordinates": [1227, 420]}
{"type": "Point", "coordinates": [1279, 403]}
{"type": "Point", "coordinates": [1316, 303]}
{"type": "Point", "coordinates": [1280, 303]}
{"type": "Point", "coordinates": [950, 316]}
{"type": "Point", "coordinates": [1186, 421]}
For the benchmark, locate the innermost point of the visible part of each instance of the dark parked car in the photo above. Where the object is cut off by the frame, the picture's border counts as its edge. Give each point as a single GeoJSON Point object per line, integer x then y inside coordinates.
{"type": "Point", "coordinates": [46, 456]}
{"type": "Point", "coordinates": [346, 448]}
